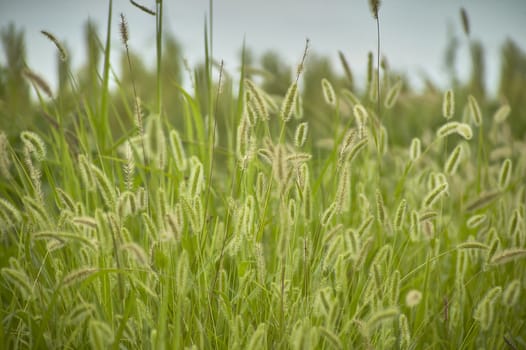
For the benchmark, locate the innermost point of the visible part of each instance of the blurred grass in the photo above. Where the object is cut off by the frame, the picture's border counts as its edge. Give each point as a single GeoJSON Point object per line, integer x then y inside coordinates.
{"type": "Point", "coordinates": [78, 92]}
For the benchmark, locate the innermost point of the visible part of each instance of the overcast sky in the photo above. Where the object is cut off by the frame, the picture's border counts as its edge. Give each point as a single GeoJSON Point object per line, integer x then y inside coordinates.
{"type": "Point", "coordinates": [414, 32]}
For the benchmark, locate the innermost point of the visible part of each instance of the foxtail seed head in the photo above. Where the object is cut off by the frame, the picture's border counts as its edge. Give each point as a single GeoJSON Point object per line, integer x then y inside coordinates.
{"type": "Point", "coordinates": [415, 149]}
{"type": "Point", "coordinates": [474, 110]}
{"type": "Point", "coordinates": [454, 160]}
{"type": "Point", "coordinates": [353, 100]}
{"type": "Point", "coordinates": [433, 196]}
{"type": "Point", "coordinates": [405, 335]}
{"type": "Point", "coordinates": [448, 105]}
{"type": "Point", "coordinates": [257, 100]}
{"type": "Point", "coordinates": [328, 92]}
{"type": "Point", "coordinates": [476, 220]}
{"type": "Point", "coordinates": [34, 144]}
{"type": "Point", "coordinates": [512, 293]}
{"type": "Point", "coordinates": [392, 95]}
{"type": "Point", "coordinates": [5, 156]}
{"type": "Point", "coordinates": [123, 29]}
{"type": "Point", "coordinates": [77, 276]}
{"type": "Point", "coordinates": [505, 174]}
{"type": "Point", "coordinates": [380, 208]}
{"type": "Point", "coordinates": [38, 82]}
{"type": "Point", "coordinates": [61, 50]}
{"type": "Point", "coordinates": [448, 129]}
{"type": "Point", "coordinates": [502, 114]}
{"type": "Point", "coordinates": [300, 136]}
{"type": "Point", "coordinates": [177, 150]}
{"type": "Point", "coordinates": [343, 200]}
{"type": "Point", "coordinates": [400, 214]}
{"type": "Point", "coordinates": [465, 131]}
{"type": "Point", "coordinates": [381, 316]}
{"type": "Point", "coordinates": [375, 6]}
{"type": "Point", "coordinates": [143, 8]}
{"type": "Point", "coordinates": [508, 255]}
{"type": "Point", "coordinates": [9, 215]}
{"type": "Point", "coordinates": [289, 102]}
{"type": "Point", "coordinates": [328, 214]}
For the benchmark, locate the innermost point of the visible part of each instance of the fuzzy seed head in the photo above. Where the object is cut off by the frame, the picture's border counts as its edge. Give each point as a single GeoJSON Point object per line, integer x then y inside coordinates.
{"type": "Point", "coordinates": [328, 92]}
{"type": "Point", "coordinates": [474, 110]}
{"type": "Point", "coordinates": [61, 50]}
{"type": "Point", "coordinates": [374, 6]}
{"type": "Point", "coordinates": [177, 150]}
{"type": "Point", "coordinates": [501, 114]}
{"type": "Point", "coordinates": [476, 220]}
{"type": "Point", "coordinates": [9, 215]}
{"type": "Point", "coordinates": [381, 316]}
{"type": "Point", "coordinates": [357, 147]}
{"type": "Point", "coordinates": [343, 200]}
{"type": "Point", "coordinates": [511, 294]}
{"type": "Point", "coordinates": [513, 226]}
{"type": "Point", "coordinates": [483, 200]}
{"type": "Point", "coordinates": [289, 102]}
{"type": "Point", "coordinates": [5, 156]}
{"type": "Point", "coordinates": [380, 208]}
{"type": "Point", "coordinates": [300, 136]}
{"type": "Point", "coordinates": [505, 174]}
{"type": "Point", "coordinates": [508, 255]}
{"type": "Point", "coordinates": [123, 29]}
{"type": "Point", "coordinates": [256, 100]}
{"type": "Point", "coordinates": [454, 160]}
{"type": "Point", "coordinates": [465, 131]}
{"type": "Point", "coordinates": [38, 82]}
{"type": "Point", "coordinates": [143, 8]}
{"type": "Point", "coordinates": [448, 104]}
{"type": "Point", "coordinates": [77, 276]}
{"type": "Point", "coordinates": [405, 335]}
{"type": "Point", "coordinates": [105, 187]}
{"type": "Point", "coordinates": [394, 289]}
{"type": "Point", "coordinates": [433, 196]}
{"type": "Point", "coordinates": [484, 313]}
{"type": "Point", "coordinates": [400, 214]}
{"type": "Point", "coordinates": [351, 98]}
{"type": "Point", "coordinates": [360, 113]}
{"type": "Point", "coordinates": [448, 129]}
{"type": "Point", "coordinates": [34, 144]}
{"type": "Point", "coordinates": [392, 94]}
{"type": "Point", "coordinates": [414, 231]}
{"type": "Point", "coordinates": [413, 298]}
{"type": "Point", "coordinates": [328, 214]}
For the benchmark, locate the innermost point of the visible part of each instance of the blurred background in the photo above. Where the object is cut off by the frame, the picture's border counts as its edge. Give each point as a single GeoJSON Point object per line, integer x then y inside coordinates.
{"type": "Point", "coordinates": [423, 44]}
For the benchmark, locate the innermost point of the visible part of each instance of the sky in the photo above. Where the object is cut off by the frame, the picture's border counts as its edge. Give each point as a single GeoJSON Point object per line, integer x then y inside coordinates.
{"type": "Point", "coordinates": [414, 33]}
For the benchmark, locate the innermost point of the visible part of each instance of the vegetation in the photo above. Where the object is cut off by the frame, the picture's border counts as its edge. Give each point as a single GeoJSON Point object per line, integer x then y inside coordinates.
{"type": "Point", "coordinates": [280, 208]}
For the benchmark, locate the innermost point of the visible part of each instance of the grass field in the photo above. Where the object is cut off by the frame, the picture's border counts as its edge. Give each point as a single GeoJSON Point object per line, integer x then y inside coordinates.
{"type": "Point", "coordinates": [239, 214]}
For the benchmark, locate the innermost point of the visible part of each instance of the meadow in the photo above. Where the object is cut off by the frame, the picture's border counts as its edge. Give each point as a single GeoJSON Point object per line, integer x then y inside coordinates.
{"type": "Point", "coordinates": [271, 208]}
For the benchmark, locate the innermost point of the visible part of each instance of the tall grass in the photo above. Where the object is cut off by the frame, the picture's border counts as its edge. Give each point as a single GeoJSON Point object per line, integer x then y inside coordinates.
{"type": "Point", "coordinates": [247, 232]}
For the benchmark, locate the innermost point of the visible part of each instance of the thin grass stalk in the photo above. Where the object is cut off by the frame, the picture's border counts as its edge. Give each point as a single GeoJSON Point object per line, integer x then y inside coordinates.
{"type": "Point", "coordinates": [125, 37]}
{"type": "Point", "coordinates": [102, 123]}
{"type": "Point", "coordinates": [212, 142]}
{"type": "Point", "coordinates": [159, 52]}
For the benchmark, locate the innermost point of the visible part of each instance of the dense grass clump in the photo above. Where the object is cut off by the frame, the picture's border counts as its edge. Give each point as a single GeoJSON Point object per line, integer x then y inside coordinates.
{"type": "Point", "coordinates": [232, 223]}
